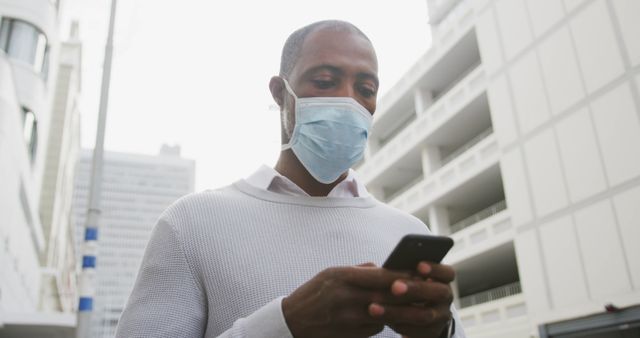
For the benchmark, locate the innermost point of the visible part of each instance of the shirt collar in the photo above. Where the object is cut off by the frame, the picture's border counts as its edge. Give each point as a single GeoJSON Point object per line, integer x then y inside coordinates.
{"type": "Point", "coordinates": [269, 179]}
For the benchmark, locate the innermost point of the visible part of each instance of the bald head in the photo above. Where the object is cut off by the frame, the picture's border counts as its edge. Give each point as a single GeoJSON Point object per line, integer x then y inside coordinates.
{"type": "Point", "coordinates": [293, 45]}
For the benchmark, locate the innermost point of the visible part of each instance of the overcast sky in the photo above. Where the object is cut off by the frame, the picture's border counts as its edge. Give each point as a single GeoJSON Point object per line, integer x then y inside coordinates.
{"type": "Point", "coordinates": [196, 72]}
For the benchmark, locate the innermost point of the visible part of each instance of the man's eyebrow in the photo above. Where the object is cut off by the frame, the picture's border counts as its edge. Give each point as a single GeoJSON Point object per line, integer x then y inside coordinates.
{"type": "Point", "coordinates": [338, 71]}
{"type": "Point", "coordinates": [327, 67]}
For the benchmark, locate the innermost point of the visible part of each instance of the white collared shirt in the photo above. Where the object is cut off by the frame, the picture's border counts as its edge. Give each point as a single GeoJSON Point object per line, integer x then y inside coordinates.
{"type": "Point", "coordinates": [269, 179]}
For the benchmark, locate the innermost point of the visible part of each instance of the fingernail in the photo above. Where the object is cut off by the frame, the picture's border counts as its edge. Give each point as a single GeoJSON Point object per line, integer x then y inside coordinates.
{"type": "Point", "coordinates": [424, 268]}
{"type": "Point", "coordinates": [376, 310]}
{"type": "Point", "coordinates": [399, 287]}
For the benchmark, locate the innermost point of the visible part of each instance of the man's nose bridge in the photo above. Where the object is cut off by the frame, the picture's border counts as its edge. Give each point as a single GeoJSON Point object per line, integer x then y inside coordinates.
{"type": "Point", "coordinates": [347, 90]}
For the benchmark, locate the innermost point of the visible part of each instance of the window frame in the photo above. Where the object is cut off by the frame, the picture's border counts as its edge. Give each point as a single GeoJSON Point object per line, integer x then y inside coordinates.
{"type": "Point", "coordinates": [40, 64]}
{"type": "Point", "coordinates": [30, 139]}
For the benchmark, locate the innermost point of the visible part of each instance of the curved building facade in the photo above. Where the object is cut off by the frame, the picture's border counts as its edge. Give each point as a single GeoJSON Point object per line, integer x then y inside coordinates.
{"type": "Point", "coordinates": [34, 102]}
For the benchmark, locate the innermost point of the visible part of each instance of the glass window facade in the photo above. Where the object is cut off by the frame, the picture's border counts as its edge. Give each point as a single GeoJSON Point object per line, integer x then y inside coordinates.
{"type": "Point", "coordinates": [25, 42]}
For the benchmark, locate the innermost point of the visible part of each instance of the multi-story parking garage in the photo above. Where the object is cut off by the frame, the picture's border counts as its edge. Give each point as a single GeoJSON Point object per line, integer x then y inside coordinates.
{"type": "Point", "coordinates": [518, 134]}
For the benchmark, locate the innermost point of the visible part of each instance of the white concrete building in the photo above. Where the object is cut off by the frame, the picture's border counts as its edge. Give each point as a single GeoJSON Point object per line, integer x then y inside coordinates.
{"type": "Point", "coordinates": [518, 134]}
{"type": "Point", "coordinates": [59, 291]}
{"type": "Point", "coordinates": [29, 85]}
{"type": "Point", "coordinates": [135, 191]}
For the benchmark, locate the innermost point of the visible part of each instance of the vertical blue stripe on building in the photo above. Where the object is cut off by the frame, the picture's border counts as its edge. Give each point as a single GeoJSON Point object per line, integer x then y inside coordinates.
{"type": "Point", "coordinates": [91, 234]}
{"type": "Point", "coordinates": [86, 304]}
{"type": "Point", "coordinates": [88, 261]}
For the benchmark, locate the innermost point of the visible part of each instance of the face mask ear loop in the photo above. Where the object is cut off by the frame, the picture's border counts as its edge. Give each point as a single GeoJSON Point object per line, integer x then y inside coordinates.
{"type": "Point", "coordinates": [286, 85]}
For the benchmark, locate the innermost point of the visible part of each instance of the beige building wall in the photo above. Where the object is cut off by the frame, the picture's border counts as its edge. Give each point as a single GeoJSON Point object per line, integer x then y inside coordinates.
{"type": "Point", "coordinates": [564, 95]}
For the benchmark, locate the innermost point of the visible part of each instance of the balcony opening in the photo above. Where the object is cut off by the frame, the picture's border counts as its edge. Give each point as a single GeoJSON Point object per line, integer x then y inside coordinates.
{"type": "Point", "coordinates": [450, 68]}
{"type": "Point", "coordinates": [409, 179]}
{"type": "Point", "coordinates": [406, 173]}
{"type": "Point", "coordinates": [480, 203]}
{"type": "Point", "coordinates": [453, 67]}
{"type": "Point", "coordinates": [403, 174]}
{"type": "Point", "coordinates": [477, 216]}
{"type": "Point", "coordinates": [453, 151]}
{"type": "Point", "coordinates": [401, 124]}
{"type": "Point", "coordinates": [477, 199]}
{"type": "Point", "coordinates": [390, 121]}
{"type": "Point", "coordinates": [487, 277]}
{"type": "Point", "coordinates": [464, 130]}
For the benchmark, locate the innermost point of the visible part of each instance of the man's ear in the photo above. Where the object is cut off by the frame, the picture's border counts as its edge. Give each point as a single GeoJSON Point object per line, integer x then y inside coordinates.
{"type": "Point", "coordinates": [276, 86]}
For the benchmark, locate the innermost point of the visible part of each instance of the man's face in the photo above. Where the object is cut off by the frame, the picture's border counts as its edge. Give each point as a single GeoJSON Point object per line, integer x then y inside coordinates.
{"type": "Point", "coordinates": [333, 63]}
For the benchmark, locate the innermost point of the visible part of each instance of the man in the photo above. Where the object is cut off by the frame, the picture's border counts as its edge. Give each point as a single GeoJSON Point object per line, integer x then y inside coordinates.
{"type": "Point", "coordinates": [281, 253]}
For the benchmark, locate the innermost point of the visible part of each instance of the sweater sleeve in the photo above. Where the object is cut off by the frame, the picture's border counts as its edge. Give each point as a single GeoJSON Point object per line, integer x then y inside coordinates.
{"type": "Point", "coordinates": [166, 300]}
{"type": "Point", "coordinates": [268, 321]}
{"type": "Point", "coordinates": [458, 331]}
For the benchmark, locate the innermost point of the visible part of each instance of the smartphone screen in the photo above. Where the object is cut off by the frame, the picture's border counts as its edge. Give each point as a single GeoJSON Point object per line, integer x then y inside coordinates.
{"type": "Point", "coordinates": [413, 249]}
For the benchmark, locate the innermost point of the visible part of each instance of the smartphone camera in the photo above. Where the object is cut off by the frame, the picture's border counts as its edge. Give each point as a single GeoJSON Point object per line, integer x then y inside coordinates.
{"type": "Point", "coordinates": [413, 249]}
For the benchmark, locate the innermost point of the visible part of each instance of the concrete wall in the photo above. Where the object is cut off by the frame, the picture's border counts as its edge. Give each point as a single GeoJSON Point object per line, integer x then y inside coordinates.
{"type": "Point", "coordinates": [565, 105]}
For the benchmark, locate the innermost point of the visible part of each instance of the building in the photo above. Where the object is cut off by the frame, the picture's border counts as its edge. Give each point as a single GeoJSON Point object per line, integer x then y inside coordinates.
{"type": "Point", "coordinates": [59, 291]}
{"type": "Point", "coordinates": [30, 86]}
{"type": "Point", "coordinates": [518, 135]}
{"type": "Point", "coordinates": [135, 191]}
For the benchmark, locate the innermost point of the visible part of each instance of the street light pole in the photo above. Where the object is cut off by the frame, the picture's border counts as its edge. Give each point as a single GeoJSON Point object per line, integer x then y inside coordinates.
{"type": "Point", "coordinates": [90, 245]}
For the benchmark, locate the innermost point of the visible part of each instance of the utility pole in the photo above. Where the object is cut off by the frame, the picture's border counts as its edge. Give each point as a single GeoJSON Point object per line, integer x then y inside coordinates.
{"type": "Point", "coordinates": [87, 280]}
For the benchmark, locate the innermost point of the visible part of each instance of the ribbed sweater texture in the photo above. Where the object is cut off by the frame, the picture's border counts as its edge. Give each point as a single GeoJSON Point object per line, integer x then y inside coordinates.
{"type": "Point", "coordinates": [219, 262]}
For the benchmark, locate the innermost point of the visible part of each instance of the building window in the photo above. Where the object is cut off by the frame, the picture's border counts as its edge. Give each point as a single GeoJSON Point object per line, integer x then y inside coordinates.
{"type": "Point", "coordinates": [24, 203]}
{"type": "Point", "coordinates": [25, 42]}
{"type": "Point", "coordinates": [30, 132]}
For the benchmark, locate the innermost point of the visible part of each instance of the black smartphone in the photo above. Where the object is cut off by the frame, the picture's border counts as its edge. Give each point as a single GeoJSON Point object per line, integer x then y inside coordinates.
{"type": "Point", "coordinates": [413, 249]}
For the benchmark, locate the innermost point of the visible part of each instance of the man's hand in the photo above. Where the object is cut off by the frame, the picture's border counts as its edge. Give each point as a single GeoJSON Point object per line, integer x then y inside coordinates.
{"type": "Point", "coordinates": [430, 300]}
{"type": "Point", "coordinates": [335, 302]}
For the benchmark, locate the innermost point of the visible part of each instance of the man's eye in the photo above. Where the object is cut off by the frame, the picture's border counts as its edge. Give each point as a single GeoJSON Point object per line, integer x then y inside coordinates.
{"type": "Point", "coordinates": [323, 84]}
{"type": "Point", "coordinates": [367, 92]}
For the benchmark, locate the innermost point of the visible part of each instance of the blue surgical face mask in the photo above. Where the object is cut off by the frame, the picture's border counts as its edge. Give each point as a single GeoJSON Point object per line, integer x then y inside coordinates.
{"type": "Point", "coordinates": [330, 134]}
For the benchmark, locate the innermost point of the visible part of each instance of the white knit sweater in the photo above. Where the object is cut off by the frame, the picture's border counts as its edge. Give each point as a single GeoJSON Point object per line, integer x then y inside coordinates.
{"type": "Point", "coordinates": [219, 262]}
